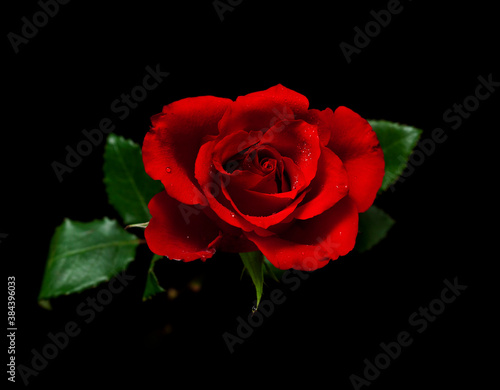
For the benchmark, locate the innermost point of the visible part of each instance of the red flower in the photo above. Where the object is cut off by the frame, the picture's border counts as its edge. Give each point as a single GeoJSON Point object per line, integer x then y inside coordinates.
{"type": "Point", "coordinates": [261, 173]}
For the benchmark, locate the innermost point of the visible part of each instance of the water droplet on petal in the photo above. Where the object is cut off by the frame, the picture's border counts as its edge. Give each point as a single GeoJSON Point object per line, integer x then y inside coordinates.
{"type": "Point", "coordinates": [232, 215]}
{"type": "Point", "coordinates": [168, 169]}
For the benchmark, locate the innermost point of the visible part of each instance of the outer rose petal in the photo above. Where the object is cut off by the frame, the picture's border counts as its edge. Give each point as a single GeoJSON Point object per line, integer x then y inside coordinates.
{"type": "Point", "coordinates": [309, 244]}
{"type": "Point", "coordinates": [170, 234]}
{"type": "Point", "coordinates": [354, 141]}
{"type": "Point", "coordinates": [263, 109]}
{"type": "Point", "coordinates": [170, 147]}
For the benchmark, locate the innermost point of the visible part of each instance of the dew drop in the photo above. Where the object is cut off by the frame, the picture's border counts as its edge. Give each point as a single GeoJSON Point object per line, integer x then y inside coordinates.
{"type": "Point", "coordinates": [232, 215]}
{"type": "Point", "coordinates": [168, 169]}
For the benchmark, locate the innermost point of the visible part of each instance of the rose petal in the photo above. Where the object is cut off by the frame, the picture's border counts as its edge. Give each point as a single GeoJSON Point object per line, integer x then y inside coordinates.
{"type": "Point", "coordinates": [261, 110]}
{"type": "Point", "coordinates": [308, 245]}
{"type": "Point", "coordinates": [328, 187]}
{"type": "Point", "coordinates": [239, 179]}
{"type": "Point", "coordinates": [267, 185]}
{"type": "Point", "coordinates": [266, 220]}
{"type": "Point", "coordinates": [180, 231]}
{"type": "Point", "coordinates": [322, 119]}
{"type": "Point", "coordinates": [293, 178]}
{"type": "Point", "coordinates": [354, 141]}
{"type": "Point", "coordinates": [299, 141]}
{"type": "Point", "coordinates": [170, 147]}
{"type": "Point", "coordinates": [233, 145]}
{"type": "Point", "coordinates": [254, 203]}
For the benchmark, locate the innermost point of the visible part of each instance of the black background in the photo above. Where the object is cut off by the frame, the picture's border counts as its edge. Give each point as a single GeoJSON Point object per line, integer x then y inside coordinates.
{"type": "Point", "coordinates": [424, 61]}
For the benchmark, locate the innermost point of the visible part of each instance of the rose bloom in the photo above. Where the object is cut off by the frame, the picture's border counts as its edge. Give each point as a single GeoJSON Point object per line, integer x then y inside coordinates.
{"type": "Point", "coordinates": [263, 173]}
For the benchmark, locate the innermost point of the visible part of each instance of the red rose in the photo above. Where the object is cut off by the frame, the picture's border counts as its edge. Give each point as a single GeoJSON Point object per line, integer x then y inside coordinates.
{"type": "Point", "coordinates": [264, 173]}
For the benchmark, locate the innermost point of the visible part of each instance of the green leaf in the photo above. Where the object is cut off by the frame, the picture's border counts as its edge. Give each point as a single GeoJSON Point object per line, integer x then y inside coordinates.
{"type": "Point", "coordinates": [128, 186]}
{"type": "Point", "coordinates": [397, 142]}
{"type": "Point", "coordinates": [373, 227]}
{"type": "Point", "coordinates": [254, 264]}
{"type": "Point", "coordinates": [84, 254]}
{"type": "Point", "coordinates": [152, 286]}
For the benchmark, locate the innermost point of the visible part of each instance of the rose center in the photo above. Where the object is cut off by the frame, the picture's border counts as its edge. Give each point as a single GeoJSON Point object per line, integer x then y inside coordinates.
{"type": "Point", "coordinates": [264, 161]}
{"type": "Point", "coordinates": [268, 165]}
